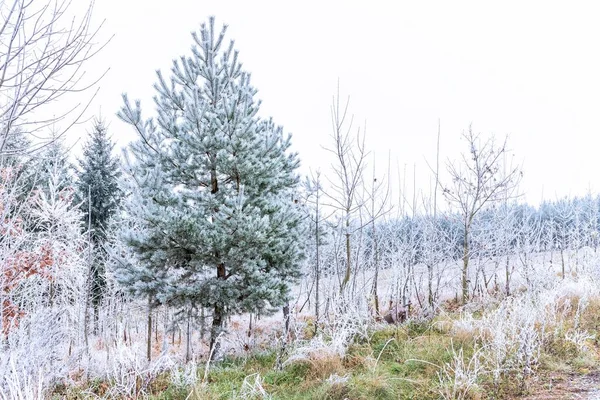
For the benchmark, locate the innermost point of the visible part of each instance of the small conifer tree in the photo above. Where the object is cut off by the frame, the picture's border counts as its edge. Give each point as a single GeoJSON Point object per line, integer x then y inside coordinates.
{"type": "Point", "coordinates": [212, 191]}
{"type": "Point", "coordinates": [99, 195]}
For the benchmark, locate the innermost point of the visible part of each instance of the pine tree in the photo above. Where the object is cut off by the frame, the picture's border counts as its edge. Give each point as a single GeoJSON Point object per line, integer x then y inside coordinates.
{"type": "Point", "coordinates": [15, 149]}
{"type": "Point", "coordinates": [46, 167]}
{"type": "Point", "coordinates": [99, 195]}
{"type": "Point", "coordinates": [98, 182]}
{"type": "Point", "coordinates": [51, 163]}
{"type": "Point", "coordinates": [212, 191]}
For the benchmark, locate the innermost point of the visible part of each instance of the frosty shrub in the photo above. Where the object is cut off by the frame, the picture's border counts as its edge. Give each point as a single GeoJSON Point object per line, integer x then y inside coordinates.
{"type": "Point", "coordinates": [512, 336]}
{"type": "Point", "coordinates": [351, 320]}
{"type": "Point", "coordinates": [458, 379]}
{"type": "Point", "coordinates": [252, 388]}
{"type": "Point", "coordinates": [20, 384]}
{"type": "Point", "coordinates": [42, 277]}
{"type": "Point", "coordinates": [130, 374]}
{"type": "Point", "coordinates": [185, 377]}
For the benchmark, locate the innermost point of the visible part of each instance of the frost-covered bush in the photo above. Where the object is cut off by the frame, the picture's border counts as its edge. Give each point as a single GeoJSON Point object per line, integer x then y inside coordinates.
{"type": "Point", "coordinates": [43, 287]}
{"type": "Point", "coordinates": [459, 378]}
{"type": "Point", "coordinates": [351, 320]}
{"type": "Point", "coordinates": [252, 388]}
{"type": "Point", "coordinates": [185, 377]}
{"type": "Point", "coordinates": [512, 336]}
{"type": "Point", "coordinates": [129, 373]}
{"type": "Point", "coordinates": [20, 384]}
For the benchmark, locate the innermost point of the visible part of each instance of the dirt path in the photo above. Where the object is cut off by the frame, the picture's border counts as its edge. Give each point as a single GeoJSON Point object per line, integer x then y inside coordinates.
{"type": "Point", "coordinates": [566, 387]}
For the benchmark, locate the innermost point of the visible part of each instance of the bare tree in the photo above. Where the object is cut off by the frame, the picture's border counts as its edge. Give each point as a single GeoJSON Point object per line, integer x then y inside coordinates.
{"type": "Point", "coordinates": [351, 157]}
{"type": "Point", "coordinates": [480, 177]}
{"type": "Point", "coordinates": [432, 254]}
{"type": "Point", "coordinates": [314, 191]}
{"type": "Point", "coordinates": [42, 51]}
{"type": "Point", "coordinates": [379, 197]}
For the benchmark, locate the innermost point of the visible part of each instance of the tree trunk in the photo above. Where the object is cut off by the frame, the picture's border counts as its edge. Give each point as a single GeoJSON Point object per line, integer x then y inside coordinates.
{"type": "Point", "coordinates": [249, 332]}
{"type": "Point", "coordinates": [156, 318]}
{"type": "Point", "coordinates": [202, 323]}
{"type": "Point", "coordinates": [430, 296]}
{"type": "Point", "coordinates": [218, 319]}
{"type": "Point", "coordinates": [86, 317]}
{"type": "Point", "coordinates": [286, 318]}
{"type": "Point", "coordinates": [188, 340]}
{"type": "Point", "coordinates": [562, 261]}
{"type": "Point", "coordinates": [173, 336]}
{"type": "Point", "coordinates": [348, 257]}
{"type": "Point", "coordinates": [96, 318]}
{"type": "Point", "coordinates": [375, 262]}
{"type": "Point", "coordinates": [284, 339]}
{"type": "Point", "coordinates": [507, 266]}
{"type": "Point", "coordinates": [465, 269]}
{"type": "Point", "coordinates": [149, 344]}
{"type": "Point", "coordinates": [317, 268]}
{"type": "Point", "coordinates": [375, 293]}
{"type": "Point", "coordinates": [215, 331]}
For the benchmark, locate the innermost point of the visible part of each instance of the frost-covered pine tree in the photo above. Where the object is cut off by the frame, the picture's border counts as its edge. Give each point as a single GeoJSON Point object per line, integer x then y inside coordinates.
{"type": "Point", "coordinates": [212, 191]}
{"type": "Point", "coordinates": [51, 163]}
{"type": "Point", "coordinates": [99, 195]}
{"type": "Point", "coordinates": [97, 184]}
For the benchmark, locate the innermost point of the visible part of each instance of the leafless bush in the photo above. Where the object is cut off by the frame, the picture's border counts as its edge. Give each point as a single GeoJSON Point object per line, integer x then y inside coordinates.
{"type": "Point", "coordinates": [131, 375]}
{"type": "Point", "coordinates": [458, 379]}
{"type": "Point", "coordinates": [252, 388]}
{"type": "Point", "coordinates": [351, 320]}
{"type": "Point", "coordinates": [20, 384]}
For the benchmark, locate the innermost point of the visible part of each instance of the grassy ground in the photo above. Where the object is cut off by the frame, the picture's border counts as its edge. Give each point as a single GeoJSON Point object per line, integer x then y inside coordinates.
{"type": "Point", "coordinates": [392, 362]}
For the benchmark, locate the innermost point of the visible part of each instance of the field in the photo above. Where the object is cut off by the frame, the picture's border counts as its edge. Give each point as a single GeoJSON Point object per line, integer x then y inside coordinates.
{"type": "Point", "coordinates": [539, 343]}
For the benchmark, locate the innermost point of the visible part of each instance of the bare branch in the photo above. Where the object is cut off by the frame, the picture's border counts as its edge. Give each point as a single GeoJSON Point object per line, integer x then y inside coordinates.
{"type": "Point", "coordinates": [42, 53]}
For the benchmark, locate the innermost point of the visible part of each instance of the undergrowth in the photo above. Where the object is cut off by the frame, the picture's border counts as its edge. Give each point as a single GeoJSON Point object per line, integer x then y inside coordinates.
{"type": "Point", "coordinates": [496, 353]}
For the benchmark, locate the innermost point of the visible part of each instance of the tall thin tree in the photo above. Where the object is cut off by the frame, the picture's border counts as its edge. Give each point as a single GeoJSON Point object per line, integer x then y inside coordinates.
{"type": "Point", "coordinates": [99, 195]}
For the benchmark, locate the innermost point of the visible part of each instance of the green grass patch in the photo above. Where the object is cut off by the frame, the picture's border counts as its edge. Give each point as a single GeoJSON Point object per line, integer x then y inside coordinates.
{"type": "Point", "coordinates": [393, 362]}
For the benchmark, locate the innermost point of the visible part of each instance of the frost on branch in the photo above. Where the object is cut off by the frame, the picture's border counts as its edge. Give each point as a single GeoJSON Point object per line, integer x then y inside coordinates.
{"type": "Point", "coordinates": [42, 282]}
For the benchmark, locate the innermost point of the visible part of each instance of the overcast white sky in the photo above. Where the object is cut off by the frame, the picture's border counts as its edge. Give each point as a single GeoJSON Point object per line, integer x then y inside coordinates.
{"type": "Point", "coordinates": [527, 69]}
